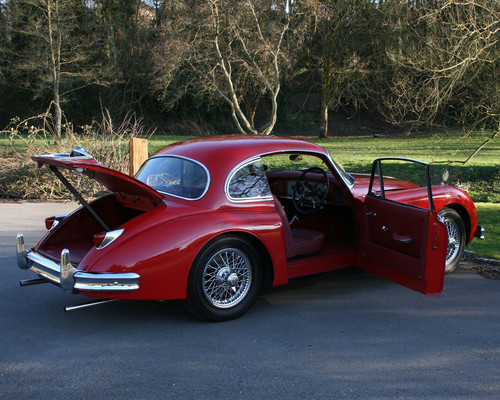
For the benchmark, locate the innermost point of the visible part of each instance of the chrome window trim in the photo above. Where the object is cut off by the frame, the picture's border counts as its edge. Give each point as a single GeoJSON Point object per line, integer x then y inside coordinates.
{"type": "Point", "coordinates": [230, 177]}
{"type": "Point", "coordinates": [207, 186]}
{"type": "Point", "coordinates": [341, 172]}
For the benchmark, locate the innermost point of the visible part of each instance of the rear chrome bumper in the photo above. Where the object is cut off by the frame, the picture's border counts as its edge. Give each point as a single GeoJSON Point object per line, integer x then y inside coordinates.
{"type": "Point", "coordinates": [68, 277]}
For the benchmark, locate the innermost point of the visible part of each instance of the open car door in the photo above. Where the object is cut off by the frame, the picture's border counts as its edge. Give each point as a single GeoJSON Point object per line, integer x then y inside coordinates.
{"type": "Point", "coordinates": [404, 240]}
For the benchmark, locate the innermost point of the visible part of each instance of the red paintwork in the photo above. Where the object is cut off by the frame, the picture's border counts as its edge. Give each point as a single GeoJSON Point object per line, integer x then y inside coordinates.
{"type": "Point", "coordinates": [419, 265]}
{"type": "Point", "coordinates": [166, 234]}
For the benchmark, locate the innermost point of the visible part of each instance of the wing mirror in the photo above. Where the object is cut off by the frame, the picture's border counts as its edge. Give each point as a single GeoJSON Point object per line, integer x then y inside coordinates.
{"type": "Point", "coordinates": [446, 176]}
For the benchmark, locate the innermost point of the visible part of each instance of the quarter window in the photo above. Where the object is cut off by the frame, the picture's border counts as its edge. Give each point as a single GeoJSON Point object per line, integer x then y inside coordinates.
{"type": "Point", "coordinates": [249, 182]}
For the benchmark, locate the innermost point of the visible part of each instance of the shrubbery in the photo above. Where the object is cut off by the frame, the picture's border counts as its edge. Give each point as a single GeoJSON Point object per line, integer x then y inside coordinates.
{"type": "Point", "coordinates": [20, 177]}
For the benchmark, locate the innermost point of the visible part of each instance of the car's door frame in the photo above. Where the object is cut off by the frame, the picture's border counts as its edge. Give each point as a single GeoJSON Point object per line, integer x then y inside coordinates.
{"type": "Point", "coordinates": [401, 242]}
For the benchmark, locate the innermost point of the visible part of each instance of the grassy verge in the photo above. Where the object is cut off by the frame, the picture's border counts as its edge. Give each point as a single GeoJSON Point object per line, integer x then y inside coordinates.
{"type": "Point", "coordinates": [489, 218]}
{"type": "Point", "coordinates": [480, 176]}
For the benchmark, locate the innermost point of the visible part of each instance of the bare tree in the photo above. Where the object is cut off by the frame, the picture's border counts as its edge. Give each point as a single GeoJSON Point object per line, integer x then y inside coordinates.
{"type": "Point", "coordinates": [51, 48]}
{"type": "Point", "coordinates": [235, 50]}
{"type": "Point", "coordinates": [342, 32]}
{"type": "Point", "coordinates": [51, 8]}
{"type": "Point", "coordinates": [257, 44]}
{"type": "Point", "coordinates": [446, 62]}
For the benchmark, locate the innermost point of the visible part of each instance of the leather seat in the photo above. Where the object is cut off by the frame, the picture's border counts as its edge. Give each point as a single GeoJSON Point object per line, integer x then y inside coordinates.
{"type": "Point", "coordinates": [298, 242]}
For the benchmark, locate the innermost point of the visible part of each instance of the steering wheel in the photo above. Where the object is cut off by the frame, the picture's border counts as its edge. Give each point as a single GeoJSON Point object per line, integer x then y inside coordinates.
{"type": "Point", "coordinates": [309, 196]}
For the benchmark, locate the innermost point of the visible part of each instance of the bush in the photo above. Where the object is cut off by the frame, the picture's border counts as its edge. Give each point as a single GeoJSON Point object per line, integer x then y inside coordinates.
{"type": "Point", "coordinates": [20, 178]}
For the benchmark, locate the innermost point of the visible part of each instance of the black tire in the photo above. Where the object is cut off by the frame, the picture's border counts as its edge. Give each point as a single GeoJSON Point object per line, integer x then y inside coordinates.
{"type": "Point", "coordinates": [224, 280]}
{"type": "Point", "coordinates": [456, 238]}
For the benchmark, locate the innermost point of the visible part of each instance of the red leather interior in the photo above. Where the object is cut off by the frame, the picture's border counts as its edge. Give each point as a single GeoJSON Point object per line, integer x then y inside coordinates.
{"type": "Point", "coordinates": [298, 242]}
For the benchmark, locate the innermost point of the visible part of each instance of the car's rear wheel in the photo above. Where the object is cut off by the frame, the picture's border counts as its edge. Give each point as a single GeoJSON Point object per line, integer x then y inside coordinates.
{"type": "Point", "coordinates": [224, 280]}
{"type": "Point", "coordinates": [456, 238]}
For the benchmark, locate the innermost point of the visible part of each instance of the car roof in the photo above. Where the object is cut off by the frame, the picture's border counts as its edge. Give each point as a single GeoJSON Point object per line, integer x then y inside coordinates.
{"type": "Point", "coordinates": [231, 150]}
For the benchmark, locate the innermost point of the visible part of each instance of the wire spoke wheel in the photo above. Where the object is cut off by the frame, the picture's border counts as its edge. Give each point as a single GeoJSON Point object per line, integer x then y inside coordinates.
{"type": "Point", "coordinates": [227, 278]}
{"type": "Point", "coordinates": [453, 240]}
{"type": "Point", "coordinates": [456, 238]}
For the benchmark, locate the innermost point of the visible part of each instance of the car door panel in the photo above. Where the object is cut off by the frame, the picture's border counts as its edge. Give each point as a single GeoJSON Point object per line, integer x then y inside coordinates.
{"type": "Point", "coordinates": [397, 231]}
{"type": "Point", "coordinates": [403, 243]}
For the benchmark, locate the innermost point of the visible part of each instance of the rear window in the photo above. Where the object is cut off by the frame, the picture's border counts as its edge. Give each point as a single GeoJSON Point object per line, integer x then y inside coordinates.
{"type": "Point", "coordinates": [176, 176]}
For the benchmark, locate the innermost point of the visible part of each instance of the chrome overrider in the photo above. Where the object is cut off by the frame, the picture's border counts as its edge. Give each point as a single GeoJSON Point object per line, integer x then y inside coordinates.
{"type": "Point", "coordinates": [68, 277]}
{"type": "Point", "coordinates": [479, 232]}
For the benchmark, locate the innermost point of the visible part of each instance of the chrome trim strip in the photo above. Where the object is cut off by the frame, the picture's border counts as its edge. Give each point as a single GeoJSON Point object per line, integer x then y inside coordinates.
{"type": "Point", "coordinates": [341, 172]}
{"type": "Point", "coordinates": [70, 279]}
{"type": "Point", "coordinates": [110, 237]}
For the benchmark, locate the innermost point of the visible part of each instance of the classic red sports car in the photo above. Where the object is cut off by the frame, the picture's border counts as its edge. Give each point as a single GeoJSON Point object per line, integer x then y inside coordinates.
{"type": "Point", "coordinates": [209, 220]}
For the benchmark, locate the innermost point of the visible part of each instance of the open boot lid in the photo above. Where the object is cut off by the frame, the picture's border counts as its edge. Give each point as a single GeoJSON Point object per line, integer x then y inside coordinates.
{"type": "Point", "coordinates": [82, 162]}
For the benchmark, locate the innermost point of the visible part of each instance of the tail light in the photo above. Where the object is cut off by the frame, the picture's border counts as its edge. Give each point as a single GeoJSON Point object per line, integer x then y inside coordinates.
{"type": "Point", "coordinates": [49, 222]}
{"type": "Point", "coordinates": [99, 238]}
{"type": "Point", "coordinates": [103, 239]}
{"type": "Point", "coordinates": [52, 222]}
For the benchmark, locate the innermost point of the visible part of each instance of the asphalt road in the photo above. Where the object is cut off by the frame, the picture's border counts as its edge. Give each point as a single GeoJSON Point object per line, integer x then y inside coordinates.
{"type": "Point", "coordinates": [339, 335]}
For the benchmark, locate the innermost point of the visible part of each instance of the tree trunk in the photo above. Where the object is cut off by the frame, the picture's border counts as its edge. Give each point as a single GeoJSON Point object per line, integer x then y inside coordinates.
{"type": "Point", "coordinates": [55, 60]}
{"type": "Point", "coordinates": [57, 112]}
{"type": "Point", "coordinates": [324, 120]}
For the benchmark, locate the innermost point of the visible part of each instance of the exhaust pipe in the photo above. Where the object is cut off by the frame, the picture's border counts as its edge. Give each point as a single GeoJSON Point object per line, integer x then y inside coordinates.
{"type": "Point", "coordinates": [36, 281]}
{"type": "Point", "coordinates": [89, 304]}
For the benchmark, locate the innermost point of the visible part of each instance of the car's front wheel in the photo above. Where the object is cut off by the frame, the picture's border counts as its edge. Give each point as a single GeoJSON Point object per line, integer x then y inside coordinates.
{"type": "Point", "coordinates": [456, 238]}
{"type": "Point", "coordinates": [224, 280]}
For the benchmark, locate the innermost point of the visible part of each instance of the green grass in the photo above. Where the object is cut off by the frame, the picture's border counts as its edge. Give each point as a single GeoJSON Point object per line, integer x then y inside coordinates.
{"type": "Point", "coordinates": [489, 219]}
{"type": "Point", "coordinates": [480, 176]}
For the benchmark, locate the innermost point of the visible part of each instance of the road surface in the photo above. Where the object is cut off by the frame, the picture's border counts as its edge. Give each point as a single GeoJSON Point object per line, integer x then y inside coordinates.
{"type": "Point", "coordinates": [342, 335]}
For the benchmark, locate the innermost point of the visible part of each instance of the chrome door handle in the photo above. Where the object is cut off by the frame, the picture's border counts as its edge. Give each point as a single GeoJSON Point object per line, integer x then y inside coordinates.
{"type": "Point", "coordinates": [403, 238]}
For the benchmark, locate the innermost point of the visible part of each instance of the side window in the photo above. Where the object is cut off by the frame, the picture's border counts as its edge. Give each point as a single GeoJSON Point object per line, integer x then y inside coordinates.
{"type": "Point", "coordinates": [248, 182]}
{"type": "Point", "coordinates": [416, 192]}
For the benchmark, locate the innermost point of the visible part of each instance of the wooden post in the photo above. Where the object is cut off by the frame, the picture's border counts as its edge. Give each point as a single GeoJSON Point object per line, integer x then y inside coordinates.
{"type": "Point", "coordinates": [138, 153]}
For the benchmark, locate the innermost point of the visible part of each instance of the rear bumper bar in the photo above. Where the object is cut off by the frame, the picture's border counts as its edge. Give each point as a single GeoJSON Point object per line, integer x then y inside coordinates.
{"type": "Point", "coordinates": [68, 277]}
